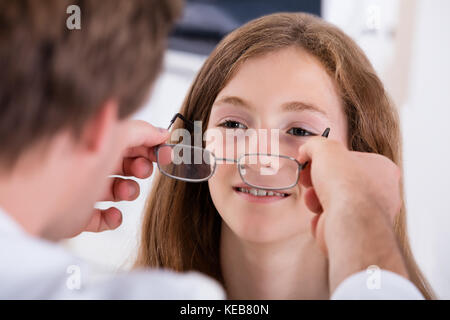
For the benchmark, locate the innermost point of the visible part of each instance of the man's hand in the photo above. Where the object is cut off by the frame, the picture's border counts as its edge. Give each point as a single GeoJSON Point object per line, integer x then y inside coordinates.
{"type": "Point", "coordinates": [356, 196]}
{"type": "Point", "coordinates": [137, 161]}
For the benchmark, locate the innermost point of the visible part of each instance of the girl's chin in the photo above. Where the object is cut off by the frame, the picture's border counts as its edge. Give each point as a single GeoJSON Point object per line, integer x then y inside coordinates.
{"type": "Point", "coordinates": [267, 232]}
{"type": "Point", "coordinates": [266, 238]}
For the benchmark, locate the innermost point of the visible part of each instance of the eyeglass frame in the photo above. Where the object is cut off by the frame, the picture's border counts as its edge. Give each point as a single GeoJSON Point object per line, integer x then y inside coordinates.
{"type": "Point", "coordinates": [191, 125]}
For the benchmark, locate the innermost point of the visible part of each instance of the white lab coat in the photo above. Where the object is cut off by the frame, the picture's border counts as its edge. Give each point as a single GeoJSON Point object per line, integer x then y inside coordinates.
{"type": "Point", "coordinates": [389, 286]}
{"type": "Point", "coordinates": [32, 268]}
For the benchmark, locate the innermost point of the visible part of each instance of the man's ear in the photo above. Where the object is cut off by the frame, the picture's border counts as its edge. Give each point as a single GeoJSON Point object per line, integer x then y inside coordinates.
{"type": "Point", "coordinates": [97, 130]}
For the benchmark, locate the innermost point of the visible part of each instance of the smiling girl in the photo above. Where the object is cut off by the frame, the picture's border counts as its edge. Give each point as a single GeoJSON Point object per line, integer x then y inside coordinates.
{"type": "Point", "coordinates": [297, 74]}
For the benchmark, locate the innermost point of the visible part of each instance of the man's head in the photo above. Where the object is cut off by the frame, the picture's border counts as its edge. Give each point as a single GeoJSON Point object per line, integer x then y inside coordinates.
{"type": "Point", "coordinates": [64, 93]}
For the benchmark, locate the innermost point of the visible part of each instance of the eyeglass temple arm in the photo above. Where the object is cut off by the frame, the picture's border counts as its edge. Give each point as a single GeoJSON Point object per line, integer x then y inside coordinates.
{"type": "Point", "coordinates": [188, 123]}
{"type": "Point", "coordinates": [324, 134]}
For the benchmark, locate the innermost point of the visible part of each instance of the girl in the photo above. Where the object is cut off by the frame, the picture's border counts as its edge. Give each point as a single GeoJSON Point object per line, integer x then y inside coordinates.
{"type": "Point", "coordinates": [292, 72]}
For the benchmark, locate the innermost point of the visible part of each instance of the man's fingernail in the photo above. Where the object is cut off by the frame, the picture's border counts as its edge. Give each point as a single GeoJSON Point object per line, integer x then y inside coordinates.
{"type": "Point", "coordinates": [132, 190]}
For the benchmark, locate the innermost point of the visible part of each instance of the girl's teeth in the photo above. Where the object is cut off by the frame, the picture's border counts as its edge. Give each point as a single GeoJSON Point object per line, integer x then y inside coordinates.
{"type": "Point", "coordinates": [261, 193]}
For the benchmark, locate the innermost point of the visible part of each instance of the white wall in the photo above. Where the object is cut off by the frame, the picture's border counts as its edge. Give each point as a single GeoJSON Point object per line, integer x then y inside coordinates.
{"type": "Point", "coordinates": [426, 124]}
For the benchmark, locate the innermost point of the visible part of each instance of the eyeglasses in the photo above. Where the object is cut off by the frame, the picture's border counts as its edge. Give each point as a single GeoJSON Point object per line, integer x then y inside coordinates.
{"type": "Point", "coordinates": [257, 170]}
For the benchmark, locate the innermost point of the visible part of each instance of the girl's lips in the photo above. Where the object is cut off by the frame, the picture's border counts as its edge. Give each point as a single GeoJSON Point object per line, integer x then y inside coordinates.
{"type": "Point", "coordinates": [245, 186]}
{"type": "Point", "coordinates": [258, 199]}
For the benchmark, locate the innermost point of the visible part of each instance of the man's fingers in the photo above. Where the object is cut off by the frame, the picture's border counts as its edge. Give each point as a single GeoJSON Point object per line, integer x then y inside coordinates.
{"type": "Point", "coordinates": [141, 151]}
{"type": "Point", "coordinates": [137, 156]}
{"type": "Point", "coordinates": [306, 151]}
{"type": "Point", "coordinates": [305, 155]}
{"type": "Point", "coordinates": [318, 146]}
{"type": "Point", "coordinates": [314, 222]}
{"type": "Point", "coordinates": [103, 220]}
{"type": "Point", "coordinates": [305, 177]}
{"type": "Point", "coordinates": [317, 228]}
{"type": "Point", "coordinates": [125, 190]}
{"type": "Point", "coordinates": [122, 190]}
{"type": "Point", "coordinates": [312, 201]}
{"type": "Point", "coordinates": [318, 152]}
{"type": "Point", "coordinates": [142, 133]}
{"type": "Point", "coordinates": [141, 143]}
{"type": "Point", "coordinates": [136, 163]}
{"type": "Point", "coordinates": [137, 167]}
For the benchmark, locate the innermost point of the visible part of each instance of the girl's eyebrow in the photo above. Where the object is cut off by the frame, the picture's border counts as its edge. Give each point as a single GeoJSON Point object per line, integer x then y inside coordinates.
{"type": "Point", "coordinates": [302, 106]}
{"type": "Point", "coordinates": [287, 106]}
{"type": "Point", "coordinates": [235, 101]}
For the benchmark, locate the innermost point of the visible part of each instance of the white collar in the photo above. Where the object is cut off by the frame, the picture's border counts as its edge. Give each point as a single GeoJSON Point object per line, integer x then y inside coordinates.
{"type": "Point", "coordinates": [8, 225]}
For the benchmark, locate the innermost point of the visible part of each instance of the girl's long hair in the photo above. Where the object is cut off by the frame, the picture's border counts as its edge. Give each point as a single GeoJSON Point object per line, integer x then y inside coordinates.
{"type": "Point", "coordinates": [181, 226]}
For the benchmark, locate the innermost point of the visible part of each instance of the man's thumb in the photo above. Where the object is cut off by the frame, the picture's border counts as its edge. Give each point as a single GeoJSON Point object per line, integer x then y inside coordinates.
{"type": "Point", "coordinates": [144, 134]}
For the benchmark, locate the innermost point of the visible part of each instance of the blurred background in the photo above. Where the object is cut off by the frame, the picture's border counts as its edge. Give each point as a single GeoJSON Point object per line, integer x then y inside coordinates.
{"type": "Point", "coordinates": [407, 41]}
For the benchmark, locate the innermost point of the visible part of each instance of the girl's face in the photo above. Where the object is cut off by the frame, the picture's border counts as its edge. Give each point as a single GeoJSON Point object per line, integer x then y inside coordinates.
{"type": "Point", "coordinates": [286, 90]}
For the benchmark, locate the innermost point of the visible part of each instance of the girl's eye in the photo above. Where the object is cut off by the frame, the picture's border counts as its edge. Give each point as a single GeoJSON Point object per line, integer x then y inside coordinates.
{"type": "Point", "coordinates": [300, 132]}
{"type": "Point", "coordinates": [230, 124]}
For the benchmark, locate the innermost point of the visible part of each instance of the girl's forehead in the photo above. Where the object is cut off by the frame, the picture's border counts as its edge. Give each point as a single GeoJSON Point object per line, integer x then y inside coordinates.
{"type": "Point", "coordinates": [289, 74]}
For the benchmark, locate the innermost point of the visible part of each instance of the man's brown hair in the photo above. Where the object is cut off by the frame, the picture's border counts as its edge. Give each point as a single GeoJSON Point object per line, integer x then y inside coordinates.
{"type": "Point", "coordinates": [52, 77]}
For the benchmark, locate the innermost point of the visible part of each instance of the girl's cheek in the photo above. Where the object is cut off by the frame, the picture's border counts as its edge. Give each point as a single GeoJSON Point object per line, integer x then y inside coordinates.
{"type": "Point", "coordinates": [221, 183]}
{"type": "Point", "coordinates": [223, 175]}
